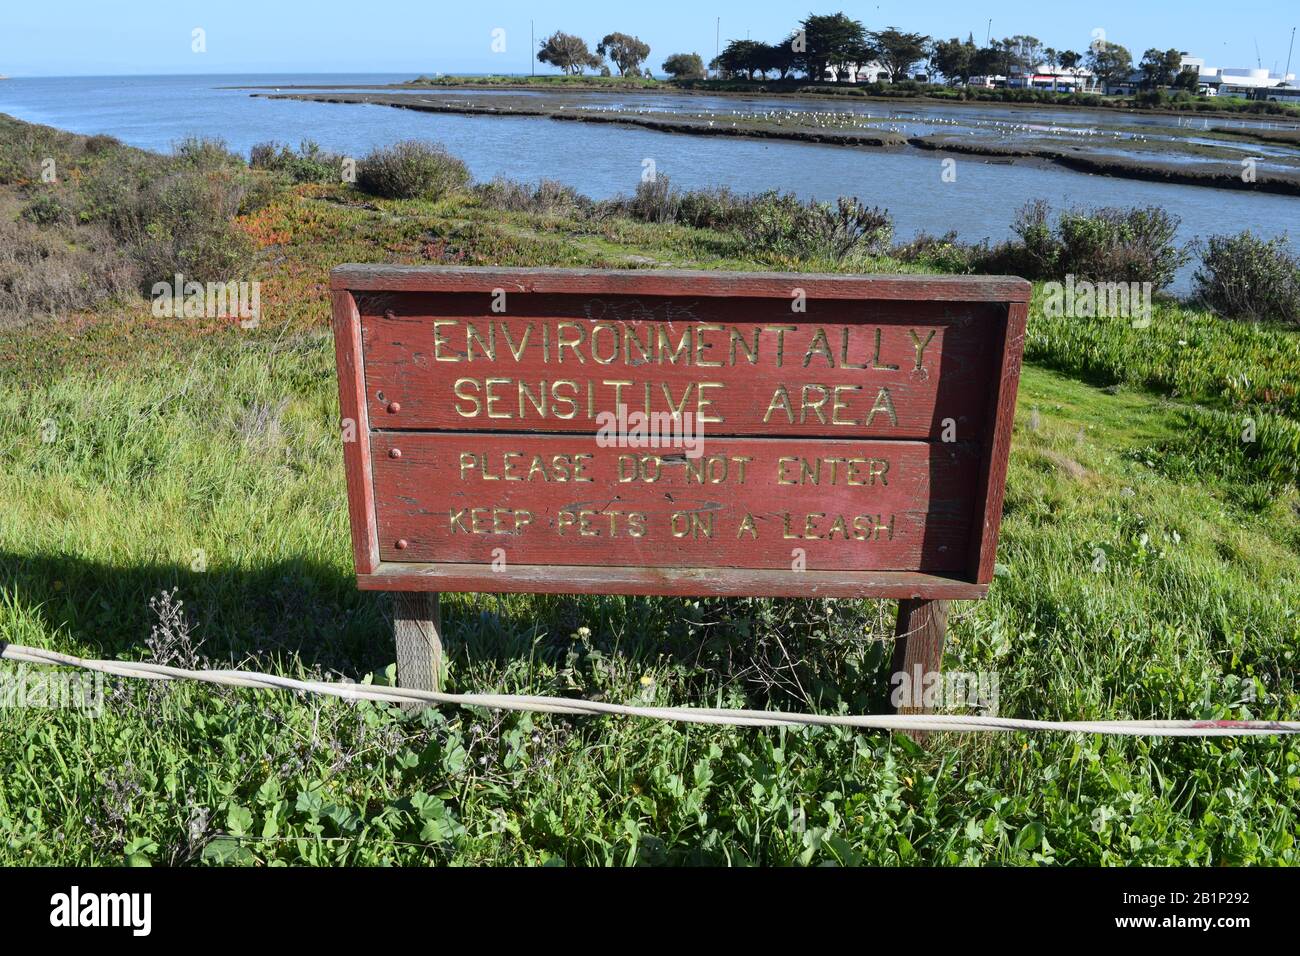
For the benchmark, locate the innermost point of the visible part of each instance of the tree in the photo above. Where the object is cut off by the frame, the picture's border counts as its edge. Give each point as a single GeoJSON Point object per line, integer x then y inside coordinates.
{"type": "Point", "coordinates": [1109, 61]}
{"type": "Point", "coordinates": [955, 60]}
{"type": "Point", "coordinates": [781, 56]}
{"type": "Point", "coordinates": [831, 40]}
{"type": "Point", "coordinates": [765, 59]}
{"type": "Point", "coordinates": [1150, 66]}
{"type": "Point", "coordinates": [1188, 78]}
{"type": "Point", "coordinates": [1069, 61]}
{"type": "Point", "coordinates": [684, 66]}
{"type": "Point", "coordinates": [1160, 68]}
{"type": "Point", "coordinates": [898, 52]}
{"type": "Point", "coordinates": [1052, 59]}
{"type": "Point", "coordinates": [568, 52]}
{"type": "Point", "coordinates": [1173, 65]}
{"type": "Point", "coordinates": [741, 56]}
{"type": "Point", "coordinates": [627, 52]}
{"type": "Point", "coordinates": [999, 58]}
{"type": "Point", "coordinates": [989, 61]}
{"type": "Point", "coordinates": [1026, 52]}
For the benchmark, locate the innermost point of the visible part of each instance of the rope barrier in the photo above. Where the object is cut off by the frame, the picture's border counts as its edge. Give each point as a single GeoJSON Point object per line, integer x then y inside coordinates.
{"type": "Point", "coordinates": [694, 715]}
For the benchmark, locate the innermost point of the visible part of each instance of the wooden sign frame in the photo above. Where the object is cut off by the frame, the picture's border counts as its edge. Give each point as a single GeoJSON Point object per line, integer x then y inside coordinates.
{"type": "Point", "coordinates": [993, 309]}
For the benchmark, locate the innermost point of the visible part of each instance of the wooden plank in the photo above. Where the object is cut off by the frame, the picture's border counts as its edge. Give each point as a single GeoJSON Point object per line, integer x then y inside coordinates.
{"type": "Point", "coordinates": [741, 366]}
{"type": "Point", "coordinates": [919, 636]}
{"type": "Point", "coordinates": [417, 634]}
{"type": "Point", "coordinates": [696, 582]}
{"type": "Point", "coordinates": [400, 278]}
{"type": "Point", "coordinates": [743, 502]}
{"type": "Point", "coordinates": [355, 429]}
{"type": "Point", "coordinates": [992, 484]}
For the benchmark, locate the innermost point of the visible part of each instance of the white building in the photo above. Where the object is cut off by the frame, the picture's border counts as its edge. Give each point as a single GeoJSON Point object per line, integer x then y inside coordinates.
{"type": "Point", "coordinates": [1233, 81]}
{"type": "Point", "coordinates": [871, 72]}
{"type": "Point", "coordinates": [1245, 82]}
{"type": "Point", "coordinates": [1045, 77]}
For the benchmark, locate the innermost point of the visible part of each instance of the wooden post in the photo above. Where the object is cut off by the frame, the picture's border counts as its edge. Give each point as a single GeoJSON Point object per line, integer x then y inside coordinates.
{"type": "Point", "coordinates": [417, 631]}
{"type": "Point", "coordinates": [918, 649]}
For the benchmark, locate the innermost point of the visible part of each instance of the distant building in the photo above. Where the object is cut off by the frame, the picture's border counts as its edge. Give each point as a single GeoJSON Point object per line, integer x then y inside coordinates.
{"type": "Point", "coordinates": [1044, 77]}
{"type": "Point", "coordinates": [1245, 82]}
{"type": "Point", "coordinates": [871, 72]}
{"type": "Point", "coordinates": [1215, 81]}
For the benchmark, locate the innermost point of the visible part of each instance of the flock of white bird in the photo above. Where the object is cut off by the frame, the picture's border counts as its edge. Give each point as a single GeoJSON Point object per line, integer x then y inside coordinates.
{"type": "Point", "coordinates": [851, 119]}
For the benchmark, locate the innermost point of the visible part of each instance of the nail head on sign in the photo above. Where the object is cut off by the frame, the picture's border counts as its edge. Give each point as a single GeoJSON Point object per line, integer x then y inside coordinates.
{"type": "Point", "coordinates": [401, 544]}
{"type": "Point", "coordinates": [394, 453]}
{"type": "Point", "coordinates": [394, 407]}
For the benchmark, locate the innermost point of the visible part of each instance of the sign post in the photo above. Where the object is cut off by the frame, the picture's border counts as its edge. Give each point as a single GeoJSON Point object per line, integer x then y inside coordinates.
{"type": "Point", "coordinates": [675, 433]}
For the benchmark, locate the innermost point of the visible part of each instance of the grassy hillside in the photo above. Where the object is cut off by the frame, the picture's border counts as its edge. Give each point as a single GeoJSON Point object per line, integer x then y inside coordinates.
{"type": "Point", "coordinates": [1149, 567]}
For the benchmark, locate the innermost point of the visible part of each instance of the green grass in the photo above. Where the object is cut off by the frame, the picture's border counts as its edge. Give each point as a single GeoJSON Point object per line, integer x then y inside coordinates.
{"type": "Point", "coordinates": [1148, 568]}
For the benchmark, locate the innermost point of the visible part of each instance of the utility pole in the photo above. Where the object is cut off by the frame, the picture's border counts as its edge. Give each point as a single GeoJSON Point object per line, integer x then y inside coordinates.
{"type": "Point", "coordinates": [532, 48]}
{"type": "Point", "coordinates": [717, 45]}
{"type": "Point", "coordinates": [988, 35]}
{"type": "Point", "coordinates": [1287, 71]}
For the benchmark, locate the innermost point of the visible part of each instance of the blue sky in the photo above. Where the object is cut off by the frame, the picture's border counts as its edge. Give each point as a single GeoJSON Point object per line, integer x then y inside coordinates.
{"type": "Point", "coordinates": [81, 37]}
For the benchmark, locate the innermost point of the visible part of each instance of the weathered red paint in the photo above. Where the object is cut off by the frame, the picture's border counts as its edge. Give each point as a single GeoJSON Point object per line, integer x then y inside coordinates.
{"type": "Point", "coordinates": [425, 392]}
{"type": "Point", "coordinates": [691, 515]}
{"type": "Point", "coordinates": [419, 346]}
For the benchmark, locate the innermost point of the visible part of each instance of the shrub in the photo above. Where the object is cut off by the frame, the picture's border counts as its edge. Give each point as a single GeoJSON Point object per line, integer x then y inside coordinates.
{"type": "Point", "coordinates": [716, 208]}
{"type": "Point", "coordinates": [204, 153]}
{"type": "Point", "coordinates": [1105, 244]}
{"type": "Point", "coordinates": [48, 275]}
{"type": "Point", "coordinates": [773, 222]}
{"type": "Point", "coordinates": [310, 164]}
{"type": "Point", "coordinates": [101, 143]}
{"type": "Point", "coordinates": [181, 222]}
{"type": "Point", "coordinates": [547, 197]}
{"type": "Point", "coordinates": [945, 253]}
{"type": "Point", "coordinates": [1121, 245]}
{"type": "Point", "coordinates": [1039, 248]}
{"type": "Point", "coordinates": [787, 227]}
{"type": "Point", "coordinates": [411, 170]}
{"type": "Point", "coordinates": [1247, 277]}
{"type": "Point", "coordinates": [109, 190]}
{"type": "Point", "coordinates": [849, 227]}
{"type": "Point", "coordinates": [45, 210]}
{"type": "Point", "coordinates": [655, 201]}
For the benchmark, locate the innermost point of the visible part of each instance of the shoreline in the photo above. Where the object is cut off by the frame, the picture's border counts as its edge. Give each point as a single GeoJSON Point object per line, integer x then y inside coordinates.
{"type": "Point", "coordinates": [1219, 176]}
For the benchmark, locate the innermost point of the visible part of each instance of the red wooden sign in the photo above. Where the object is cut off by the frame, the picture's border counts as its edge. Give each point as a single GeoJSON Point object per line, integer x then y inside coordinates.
{"type": "Point", "coordinates": [703, 433]}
